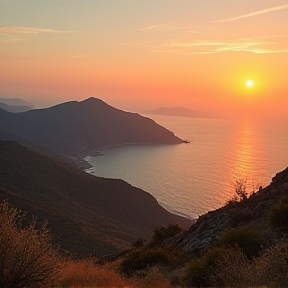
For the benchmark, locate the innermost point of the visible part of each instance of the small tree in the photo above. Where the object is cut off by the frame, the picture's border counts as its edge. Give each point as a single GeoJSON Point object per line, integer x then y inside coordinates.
{"type": "Point", "coordinates": [27, 257]}
{"type": "Point", "coordinates": [240, 187]}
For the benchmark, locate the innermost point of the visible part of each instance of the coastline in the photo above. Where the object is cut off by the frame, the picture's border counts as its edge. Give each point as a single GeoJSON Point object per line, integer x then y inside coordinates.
{"type": "Point", "coordinates": [88, 168]}
{"type": "Point", "coordinates": [84, 165]}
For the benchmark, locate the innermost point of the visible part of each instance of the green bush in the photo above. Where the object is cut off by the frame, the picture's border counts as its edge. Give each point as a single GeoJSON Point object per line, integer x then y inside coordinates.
{"type": "Point", "coordinates": [163, 233]}
{"type": "Point", "coordinates": [147, 257]}
{"type": "Point", "coordinates": [200, 271]}
{"type": "Point", "coordinates": [239, 215]}
{"type": "Point", "coordinates": [279, 214]}
{"type": "Point", "coordinates": [248, 240]}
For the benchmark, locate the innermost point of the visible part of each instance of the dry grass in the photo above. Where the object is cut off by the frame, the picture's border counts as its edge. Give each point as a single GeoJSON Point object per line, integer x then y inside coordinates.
{"type": "Point", "coordinates": [270, 269]}
{"type": "Point", "coordinates": [85, 273]}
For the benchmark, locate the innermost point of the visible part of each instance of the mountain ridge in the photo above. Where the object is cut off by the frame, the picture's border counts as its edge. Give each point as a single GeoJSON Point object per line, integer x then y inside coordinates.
{"type": "Point", "coordinates": [74, 129]}
{"type": "Point", "coordinates": [15, 105]}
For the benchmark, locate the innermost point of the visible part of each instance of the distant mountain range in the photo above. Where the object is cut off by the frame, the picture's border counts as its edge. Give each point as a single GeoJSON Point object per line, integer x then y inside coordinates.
{"type": "Point", "coordinates": [86, 214]}
{"type": "Point", "coordinates": [75, 129]}
{"type": "Point", "coordinates": [15, 105]}
{"type": "Point", "coordinates": [184, 112]}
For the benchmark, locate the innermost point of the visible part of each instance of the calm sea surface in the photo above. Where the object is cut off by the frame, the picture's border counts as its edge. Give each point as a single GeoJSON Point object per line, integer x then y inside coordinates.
{"type": "Point", "coordinates": [191, 179]}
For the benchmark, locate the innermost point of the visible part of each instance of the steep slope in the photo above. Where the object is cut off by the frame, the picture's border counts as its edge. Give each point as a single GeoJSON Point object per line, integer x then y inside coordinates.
{"type": "Point", "coordinates": [253, 213]}
{"type": "Point", "coordinates": [76, 128]}
{"type": "Point", "coordinates": [86, 213]}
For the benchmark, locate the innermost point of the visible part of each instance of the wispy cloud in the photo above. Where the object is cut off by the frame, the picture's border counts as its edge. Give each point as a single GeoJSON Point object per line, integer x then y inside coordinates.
{"type": "Point", "coordinates": [255, 13]}
{"type": "Point", "coordinates": [16, 34]}
{"type": "Point", "coordinates": [154, 28]}
{"type": "Point", "coordinates": [264, 45]}
{"type": "Point", "coordinates": [169, 27]}
{"type": "Point", "coordinates": [27, 30]}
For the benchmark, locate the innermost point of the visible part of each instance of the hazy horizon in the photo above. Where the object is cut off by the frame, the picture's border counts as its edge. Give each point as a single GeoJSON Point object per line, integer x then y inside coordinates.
{"type": "Point", "coordinates": [226, 57]}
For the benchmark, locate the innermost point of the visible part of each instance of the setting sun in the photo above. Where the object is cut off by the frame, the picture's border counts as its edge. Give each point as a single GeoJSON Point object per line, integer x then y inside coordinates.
{"type": "Point", "coordinates": [249, 83]}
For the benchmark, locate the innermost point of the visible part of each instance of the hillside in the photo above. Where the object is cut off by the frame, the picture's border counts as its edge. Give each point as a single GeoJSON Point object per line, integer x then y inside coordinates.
{"type": "Point", "coordinates": [243, 244]}
{"type": "Point", "coordinates": [253, 213]}
{"type": "Point", "coordinates": [85, 213]}
{"type": "Point", "coordinates": [74, 129]}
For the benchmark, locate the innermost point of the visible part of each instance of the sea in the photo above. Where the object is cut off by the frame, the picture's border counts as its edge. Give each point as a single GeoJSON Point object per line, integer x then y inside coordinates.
{"type": "Point", "coordinates": [193, 178]}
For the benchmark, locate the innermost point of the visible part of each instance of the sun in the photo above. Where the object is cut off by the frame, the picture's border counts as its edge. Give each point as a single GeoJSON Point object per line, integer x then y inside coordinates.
{"type": "Point", "coordinates": [249, 83]}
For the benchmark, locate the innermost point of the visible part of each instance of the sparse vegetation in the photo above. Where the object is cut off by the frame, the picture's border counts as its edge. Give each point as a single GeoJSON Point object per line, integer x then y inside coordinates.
{"type": "Point", "coordinates": [27, 257]}
{"type": "Point", "coordinates": [244, 238]}
{"type": "Point", "coordinates": [86, 273]}
{"type": "Point", "coordinates": [147, 257]}
{"type": "Point", "coordinates": [241, 187]}
{"type": "Point", "coordinates": [162, 233]}
{"type": "Point", "coordinates": [239, 216]}
{"type": "Point", "coordinates": [235, 269]}
{"type": "Point", "coordinates": [279, 214]}
{"type": "Point", "coordinates": [200, 270]}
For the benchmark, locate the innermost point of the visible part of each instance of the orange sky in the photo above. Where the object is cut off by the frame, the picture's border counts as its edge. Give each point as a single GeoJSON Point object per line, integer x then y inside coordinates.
{"type": "Point", "coordinates": [140, 55]}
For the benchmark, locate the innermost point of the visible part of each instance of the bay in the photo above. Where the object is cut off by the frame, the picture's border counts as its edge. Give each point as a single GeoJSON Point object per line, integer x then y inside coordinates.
{"type": "Point", "coordinates": [191, 179]}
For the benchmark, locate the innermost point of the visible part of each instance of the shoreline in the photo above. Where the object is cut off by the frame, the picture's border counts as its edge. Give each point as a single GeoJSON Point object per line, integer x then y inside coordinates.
{"type": "Point", "coordinates": [83, 164]}
{"type": "Point", "coordinates": [98, 153]}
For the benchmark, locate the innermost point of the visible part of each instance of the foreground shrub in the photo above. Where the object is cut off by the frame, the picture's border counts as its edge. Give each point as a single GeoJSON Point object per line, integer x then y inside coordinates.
{"type": "Point", "coordinates": [154, 278]}
{"type": "Point", "coordinates": [238, 216]}
{"type": "Point", "coordinates": [165, 232]}
{"type": "Point", "coordinates": [248, 240]}
{"type": "Point", "coordinates": [147, 257]}
{"type": "Point", "coordinates": [234, 269]}
{"type": "Point", "coordinates": [27, 257]}
{"type": "Point", "coordinates": [279, 214]}
{"type": "Point", "coordinates": [200, 271]}
{"type": "Point", "coordinates": [273, 266]}
{"type": "Point", "coordinates": [85, 273]}
{"type": "Point", "coordinates": [270, 269]}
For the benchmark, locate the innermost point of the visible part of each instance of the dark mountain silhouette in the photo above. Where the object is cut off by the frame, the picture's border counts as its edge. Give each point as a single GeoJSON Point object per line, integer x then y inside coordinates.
{"type": "Point", "coordinates": [184, 112]}
{"type": "Point", "coordinates": [15, 105]}
{"type": "Point", "coordinates": [86, 213]}
{"type": "Point", "coordinates": [75, 128]}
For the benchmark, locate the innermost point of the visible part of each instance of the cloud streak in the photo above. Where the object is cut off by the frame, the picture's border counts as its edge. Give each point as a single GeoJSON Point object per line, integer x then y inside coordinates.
{"type": "Point", "coordinates": [256, 13]}
{"type": "Point", "coordinates": [265, 45]}
{"type": "Point", "coordinates": [27, 30]}
{"type": "Point", "coordinates": [169, 27]}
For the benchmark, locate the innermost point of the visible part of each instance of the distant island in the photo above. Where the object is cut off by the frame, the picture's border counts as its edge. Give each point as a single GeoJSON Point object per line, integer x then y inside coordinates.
{"type": "Point", "coordinates": [15, 105]}
{"type": "Point", "coordinates": [184, 112]}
